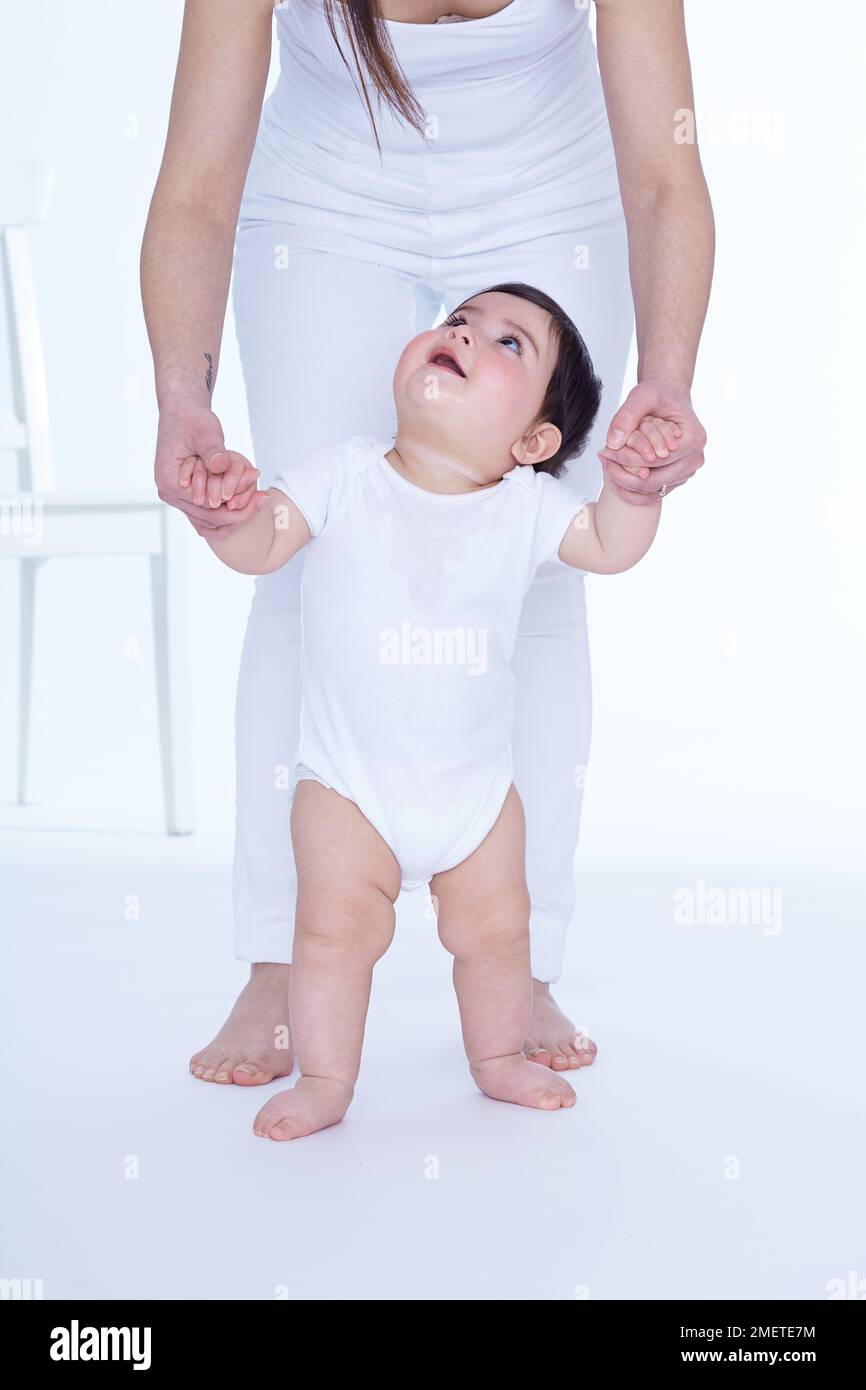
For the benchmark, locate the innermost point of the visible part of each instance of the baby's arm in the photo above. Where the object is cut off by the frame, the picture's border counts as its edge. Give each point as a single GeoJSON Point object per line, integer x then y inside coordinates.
{"type": "Point", "coordinates": [609, 536]}
{"type": "Point", "coordinates": [270, 537]}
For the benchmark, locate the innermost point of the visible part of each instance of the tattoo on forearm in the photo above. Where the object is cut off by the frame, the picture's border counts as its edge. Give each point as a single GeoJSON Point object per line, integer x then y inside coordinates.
{"type": "Point", "coordinates": [208, 376]}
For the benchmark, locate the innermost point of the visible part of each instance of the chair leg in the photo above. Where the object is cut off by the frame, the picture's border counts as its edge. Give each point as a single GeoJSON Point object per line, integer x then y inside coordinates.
{"type": "Point", "coordinates": [26, 654]}
{"type": "Point", "coordinates": [172, 687]}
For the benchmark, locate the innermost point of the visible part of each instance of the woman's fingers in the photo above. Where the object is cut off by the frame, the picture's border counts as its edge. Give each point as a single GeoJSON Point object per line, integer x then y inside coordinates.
{"type": "Point", "coordinates": [198, 484]}
{"type": "Point", "coordinates": [185, 472]}
{"type": "Point", "coordinates": [627, 458]}
{"type": "Point", "coordinates": [621, 482]}
{"type": "Point", "coordinates": [214, 489]}
{"type": "Point", "coordinates": [237, 518]}
{"type": "Point", "coordinates": [669, 473]}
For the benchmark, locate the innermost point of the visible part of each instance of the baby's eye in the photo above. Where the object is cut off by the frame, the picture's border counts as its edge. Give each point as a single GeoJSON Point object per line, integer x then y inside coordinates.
{"type": "Point", "coordinates": [509, 338]}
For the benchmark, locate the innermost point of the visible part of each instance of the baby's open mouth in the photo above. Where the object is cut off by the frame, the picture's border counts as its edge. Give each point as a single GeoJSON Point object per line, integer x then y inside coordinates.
{"type": "Point", "coordinates": [444, 358]}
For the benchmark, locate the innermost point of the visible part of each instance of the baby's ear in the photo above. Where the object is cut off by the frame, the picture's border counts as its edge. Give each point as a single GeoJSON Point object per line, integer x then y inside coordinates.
{"type": "Point", "coordinates": [541, 443]}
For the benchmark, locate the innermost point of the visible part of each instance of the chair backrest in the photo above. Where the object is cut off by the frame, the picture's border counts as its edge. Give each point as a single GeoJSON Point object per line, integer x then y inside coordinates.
{"type": "Point", "coordinates": [25, 192]}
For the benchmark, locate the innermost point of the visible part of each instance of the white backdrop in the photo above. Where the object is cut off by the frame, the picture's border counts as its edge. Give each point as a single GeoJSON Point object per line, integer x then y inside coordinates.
{"type": "Point", "coordinates": [728, 666]}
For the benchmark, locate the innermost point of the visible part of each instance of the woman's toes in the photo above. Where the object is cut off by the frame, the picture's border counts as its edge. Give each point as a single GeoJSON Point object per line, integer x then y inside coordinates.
{"type": "Point", "coordinates": [560, 1062]}
{"type": "Point", "coordinates": [250, 1074]}
{"type": "Point", "coordinates": [540, 1055]}
{"type": "Point", "coordinates": [207, 1070]}
{"type": "Point", "coordinates": [585, 1049]}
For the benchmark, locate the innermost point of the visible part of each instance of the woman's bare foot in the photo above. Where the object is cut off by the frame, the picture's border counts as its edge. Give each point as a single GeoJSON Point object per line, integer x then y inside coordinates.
{"type": "Point", "coordinates": [254, 1044]}
{"type": "Point", "coordinates": [314, 1102]}
{"type": "Point", "coordinates": [553, 1040]}
{"type": "Point", "coordinates": [519, 1081]}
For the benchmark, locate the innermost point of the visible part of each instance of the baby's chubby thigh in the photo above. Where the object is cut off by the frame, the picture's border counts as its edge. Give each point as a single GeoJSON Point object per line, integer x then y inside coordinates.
{"type": "Point", "coordinates": [482, 907]}
{"type": "Point", "coordinates": [348, 877]}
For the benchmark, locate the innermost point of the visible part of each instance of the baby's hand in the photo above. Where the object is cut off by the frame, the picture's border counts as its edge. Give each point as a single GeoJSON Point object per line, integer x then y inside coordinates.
{"type": "Point", "coordinates": [663, 435]}
{"type": "Point", "coordinates": [245, 488]}
{"type": "Point", "coordinates": [232, 480]}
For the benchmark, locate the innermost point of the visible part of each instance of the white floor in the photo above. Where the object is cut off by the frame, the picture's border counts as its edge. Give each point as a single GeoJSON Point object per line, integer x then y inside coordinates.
{"type": "Point", "coordinates": [716, 1149]}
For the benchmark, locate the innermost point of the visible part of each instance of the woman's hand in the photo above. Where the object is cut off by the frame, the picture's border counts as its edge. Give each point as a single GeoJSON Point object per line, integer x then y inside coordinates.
{"type": "Point", "coordinates": [645, 453]}
{"type": "Point", "coordinates": [195, 472]}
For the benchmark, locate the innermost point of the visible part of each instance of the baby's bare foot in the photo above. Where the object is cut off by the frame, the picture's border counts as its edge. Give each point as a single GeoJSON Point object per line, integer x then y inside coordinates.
{"type": "Point", "coordinates": [254, 1044]}
{"type": "Point", "coordinates": [553, 1041]}
{"type": "Point", "coordinates": [519, 1081]}
{"type": "Point", "coordinates": [314, 1102]}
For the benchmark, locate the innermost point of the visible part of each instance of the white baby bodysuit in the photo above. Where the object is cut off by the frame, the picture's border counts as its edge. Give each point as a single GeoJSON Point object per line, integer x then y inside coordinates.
{"type": "Point", "coordinates": [411, 601]}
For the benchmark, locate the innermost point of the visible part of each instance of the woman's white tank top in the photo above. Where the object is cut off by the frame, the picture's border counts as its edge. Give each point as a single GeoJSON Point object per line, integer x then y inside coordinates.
{"type": "Point", "coordinates": [521, 85]}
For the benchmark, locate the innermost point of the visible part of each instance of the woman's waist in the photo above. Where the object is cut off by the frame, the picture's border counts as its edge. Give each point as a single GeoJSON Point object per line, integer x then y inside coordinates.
{"type": "Point", "coordinates": [446, 170]}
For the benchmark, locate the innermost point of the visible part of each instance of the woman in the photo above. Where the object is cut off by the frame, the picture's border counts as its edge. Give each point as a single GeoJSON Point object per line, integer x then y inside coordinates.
{"type": "Point", "coordinates": [498, 151]}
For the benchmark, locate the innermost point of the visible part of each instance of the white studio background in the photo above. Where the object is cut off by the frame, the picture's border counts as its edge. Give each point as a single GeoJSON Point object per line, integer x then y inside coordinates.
{"type": "Point", "coordinates": [728, 666]}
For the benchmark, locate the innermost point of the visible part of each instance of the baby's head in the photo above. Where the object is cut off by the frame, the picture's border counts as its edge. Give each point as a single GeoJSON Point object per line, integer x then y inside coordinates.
{"type": "Point", "coordinates": [506, 379]}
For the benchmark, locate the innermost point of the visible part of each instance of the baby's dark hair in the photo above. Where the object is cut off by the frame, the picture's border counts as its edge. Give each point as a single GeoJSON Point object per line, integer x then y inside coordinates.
{"type": "Point", "coordinates": [573, 393]}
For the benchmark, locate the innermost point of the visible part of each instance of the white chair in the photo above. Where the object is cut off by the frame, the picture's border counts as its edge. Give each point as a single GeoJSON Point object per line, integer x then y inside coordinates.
{"type": "Point", "coordinates": [37, 523]}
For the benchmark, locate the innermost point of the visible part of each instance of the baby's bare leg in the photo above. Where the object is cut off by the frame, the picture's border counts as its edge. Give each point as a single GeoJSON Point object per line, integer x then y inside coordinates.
{"type": "Point", "coordinates": [348, 881]}
{"type": "Point", "coordinates": [483, 911]}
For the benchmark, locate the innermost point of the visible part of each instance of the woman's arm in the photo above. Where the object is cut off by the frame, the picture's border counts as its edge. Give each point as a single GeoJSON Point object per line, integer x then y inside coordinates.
{"type": "Point", "coordinates": [646, 76]}
{"type": "Point", "coordinates": [186, 252]}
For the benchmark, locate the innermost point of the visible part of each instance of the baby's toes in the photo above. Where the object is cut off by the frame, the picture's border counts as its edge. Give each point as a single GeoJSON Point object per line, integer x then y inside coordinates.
{"type": "Point", "coordinates": [520, 1082]}
{"type": "Point", "coordinates": [277, 1118]}
{"type": "Point", "coordinates": [553, 1095]}
{"type": "Point", "coordinates": [289, 1127]}
{"type": "Point", "coordinates": [313, 1103]}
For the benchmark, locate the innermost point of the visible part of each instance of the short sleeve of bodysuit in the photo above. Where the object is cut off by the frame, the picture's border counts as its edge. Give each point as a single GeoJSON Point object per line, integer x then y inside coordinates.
{"type": "Point", "coordinates": [318, 482]}
{"type": "Point", "coordinates": [556, 507]}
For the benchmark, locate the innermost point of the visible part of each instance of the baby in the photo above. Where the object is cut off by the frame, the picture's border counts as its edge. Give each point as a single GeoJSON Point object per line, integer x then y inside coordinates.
{"type": "Point", "coordinates": [419, 554]}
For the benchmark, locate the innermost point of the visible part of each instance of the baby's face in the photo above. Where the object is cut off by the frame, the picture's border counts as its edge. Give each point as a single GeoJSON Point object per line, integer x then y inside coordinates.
{"type": "Point", "coordinates": [472, 387]}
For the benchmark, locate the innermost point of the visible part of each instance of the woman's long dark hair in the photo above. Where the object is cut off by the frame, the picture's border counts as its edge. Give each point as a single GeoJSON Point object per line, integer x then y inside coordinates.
{"type": "Point", "coordinates": [374, 54]}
